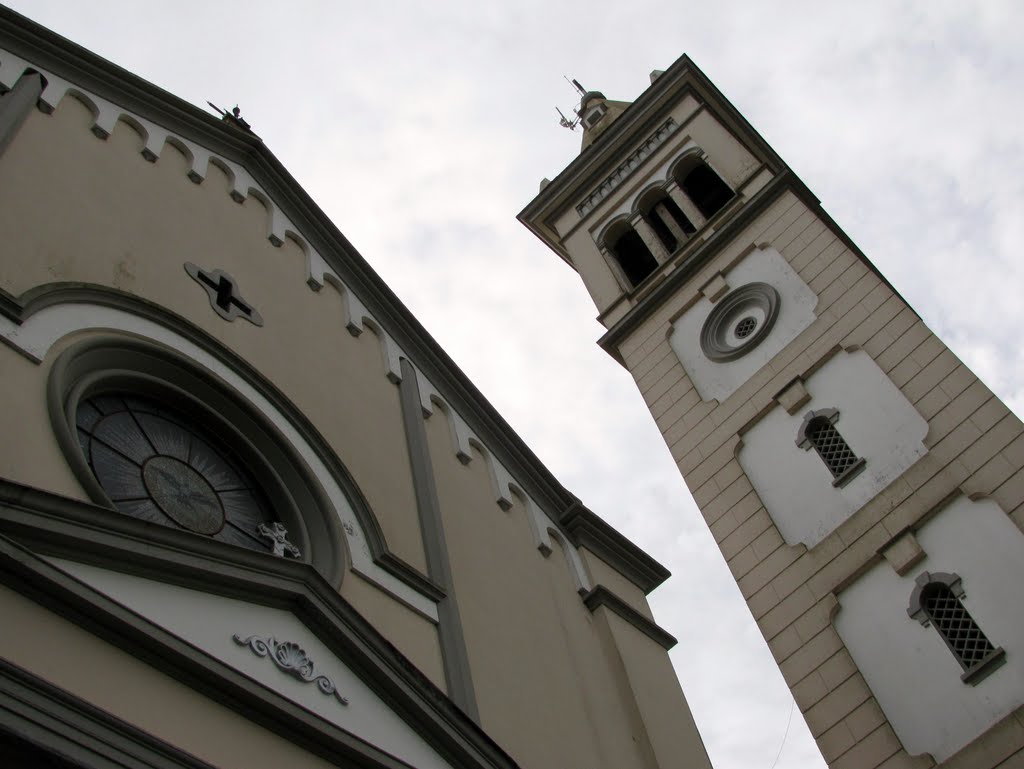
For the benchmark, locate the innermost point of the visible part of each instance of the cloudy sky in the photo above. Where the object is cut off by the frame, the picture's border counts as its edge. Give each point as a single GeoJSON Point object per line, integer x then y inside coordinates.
{"type": "Point", "coordinates": [423, 128]}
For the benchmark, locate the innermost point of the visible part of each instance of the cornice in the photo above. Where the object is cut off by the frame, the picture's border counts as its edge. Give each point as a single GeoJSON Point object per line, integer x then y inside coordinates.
{"type": "Point", "coordinates": [602, 596]}
{"type": "Point", "coordinates": [46, 715]}
{"type": "Point", "coordinates": [589, 531]}
{"type": "Point", "coordinates": [78, 65]}
{"type": "Point", "coordinates": [49, 50]}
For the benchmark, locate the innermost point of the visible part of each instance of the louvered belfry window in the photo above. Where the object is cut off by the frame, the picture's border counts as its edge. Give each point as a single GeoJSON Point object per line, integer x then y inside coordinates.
{"type": "Point", "coordinates": [956, 626]}
{"type": "Point", "coordinates": [831, 447]}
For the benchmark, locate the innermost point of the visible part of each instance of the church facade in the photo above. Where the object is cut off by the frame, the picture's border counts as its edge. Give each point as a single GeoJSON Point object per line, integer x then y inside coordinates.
{"type": "Point", "coordinates": [864, 486]}
{"type": "Point", "coordinates": [251, 514]}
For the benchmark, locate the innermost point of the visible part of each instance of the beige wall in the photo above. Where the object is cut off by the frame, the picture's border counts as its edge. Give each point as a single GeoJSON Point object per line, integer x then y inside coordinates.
{"type": "Point", "coordinates": [975, 445]}
{"type": "Point", "coordinates": [411, 633]}
{"type": "Point", "coordinates": [35, 459]}
{"type": "Point", "coordinates": [550, 686]}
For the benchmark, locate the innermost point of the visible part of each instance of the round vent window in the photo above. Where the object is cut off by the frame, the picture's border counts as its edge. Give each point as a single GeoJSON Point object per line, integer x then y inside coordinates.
{"type": "Point", "coordinates": [739, 322]}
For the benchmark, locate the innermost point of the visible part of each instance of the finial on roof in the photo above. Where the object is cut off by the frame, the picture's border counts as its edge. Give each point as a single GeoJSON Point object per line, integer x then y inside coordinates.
{"type": "Point", "coordinates": [232, 118]}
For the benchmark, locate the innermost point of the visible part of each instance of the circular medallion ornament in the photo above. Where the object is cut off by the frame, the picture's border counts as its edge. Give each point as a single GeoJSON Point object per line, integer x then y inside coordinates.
{"type": "Point", "coordinates": [739, 322]}
{"type": "Point", "coordinates": [183, 494]}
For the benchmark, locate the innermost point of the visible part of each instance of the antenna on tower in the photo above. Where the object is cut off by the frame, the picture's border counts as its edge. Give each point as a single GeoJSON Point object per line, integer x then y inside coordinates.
{"type": "Point", "coordinates": [562, 119]}
{"type": "Point", "coordinates": [565, 122]}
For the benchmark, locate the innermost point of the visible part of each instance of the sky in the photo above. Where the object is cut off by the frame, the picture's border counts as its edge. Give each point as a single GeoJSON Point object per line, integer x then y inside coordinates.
{"type": "Point", "coordinates": [422, 129]}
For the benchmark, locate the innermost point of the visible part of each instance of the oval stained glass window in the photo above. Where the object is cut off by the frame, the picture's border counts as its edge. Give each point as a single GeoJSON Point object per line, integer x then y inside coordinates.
{"type": "Point", "coordinates": [156, 464]}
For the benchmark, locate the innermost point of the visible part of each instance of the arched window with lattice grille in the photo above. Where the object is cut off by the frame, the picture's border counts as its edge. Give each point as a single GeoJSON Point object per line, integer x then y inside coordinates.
{"type": "Point", "coordinates": [818, 431]}
{"type": "Point", "coordinates": [936, 601]}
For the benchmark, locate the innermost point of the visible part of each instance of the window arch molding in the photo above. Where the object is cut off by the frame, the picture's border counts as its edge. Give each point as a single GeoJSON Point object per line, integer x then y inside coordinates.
{"type": "Point", "coordinates": [612, 229]}
{"type": "Point", "coordinates": [701, 183]}
{"type": "Point", "coordinates": [115, 364]}
{"type": "Point", "coordinates": [647, 197]}
{"type": "Point", "coordinates": [686, 162]}
{"type": "Point", "coordinates": [818, 431]}
{"type": "Point", "coordinates": [915, 608]}
{"type": "Point", "coordinates": [937, 600]}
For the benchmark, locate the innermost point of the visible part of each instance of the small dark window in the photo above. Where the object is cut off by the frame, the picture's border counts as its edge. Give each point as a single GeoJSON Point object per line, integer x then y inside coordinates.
{"type": "Point", "coordinates": [746, 327]}
{"type": "Point", "coordinates": [831, 447]}
{"type": "Point", "coordinates": [633, 256]}
{"type": "Point", "coordinates": [955, 624]}
{"type": "Point", "coordinates": [706, 189]}
{"type": "Point", "coordinates": [819, 430]}
{"type": "Point", "coordinates": [937, 601]}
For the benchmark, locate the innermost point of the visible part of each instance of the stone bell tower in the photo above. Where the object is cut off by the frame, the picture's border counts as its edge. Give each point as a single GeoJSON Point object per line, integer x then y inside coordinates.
{"type": "Point", "coordinates": [865, 488]}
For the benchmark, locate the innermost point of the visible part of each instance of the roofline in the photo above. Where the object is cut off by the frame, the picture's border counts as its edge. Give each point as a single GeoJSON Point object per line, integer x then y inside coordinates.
{"type": "Point", "coordinates": [80, 66]}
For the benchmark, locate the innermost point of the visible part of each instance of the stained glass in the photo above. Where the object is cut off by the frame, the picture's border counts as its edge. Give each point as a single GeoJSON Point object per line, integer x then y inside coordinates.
{"type": "Point", "coordinates": [157, 465]}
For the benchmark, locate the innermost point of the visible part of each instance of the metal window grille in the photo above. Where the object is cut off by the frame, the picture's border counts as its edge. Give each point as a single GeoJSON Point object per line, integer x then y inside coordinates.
{"type": "Point", "coordinates": [956, 626]}
{"type": "Point", "coordinates": [745, 327]}
{"type": "Point", "coordinates": [831, 447]}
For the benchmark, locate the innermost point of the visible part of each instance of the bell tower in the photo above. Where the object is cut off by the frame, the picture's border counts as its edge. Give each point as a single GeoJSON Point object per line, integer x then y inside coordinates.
{"type": "Point", "coordinates": [864, 486]}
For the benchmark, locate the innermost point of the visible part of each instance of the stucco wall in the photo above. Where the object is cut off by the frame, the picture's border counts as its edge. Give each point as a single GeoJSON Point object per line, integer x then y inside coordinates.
{"type": "Point", "coordinates": [84, 211]}
{"type": "Point", "coordinates": [538, 666]}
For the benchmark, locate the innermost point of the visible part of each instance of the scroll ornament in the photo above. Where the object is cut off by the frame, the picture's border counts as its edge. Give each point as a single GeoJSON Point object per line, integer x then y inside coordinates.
{"type": "Point", "coordinates": [292, 659]}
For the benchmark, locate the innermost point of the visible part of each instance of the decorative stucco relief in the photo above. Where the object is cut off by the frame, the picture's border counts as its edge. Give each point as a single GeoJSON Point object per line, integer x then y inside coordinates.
{"type": "Point", "coordinates": [757, 308]}
{"type": "Point", "coordinates": [292, 659]}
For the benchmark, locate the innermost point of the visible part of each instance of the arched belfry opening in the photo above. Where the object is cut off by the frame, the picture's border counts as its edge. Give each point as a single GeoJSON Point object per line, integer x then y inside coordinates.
{"type": "Point", "coordinates": [632, 254]}
{"type": "Point", "coordinates": [705, 188]}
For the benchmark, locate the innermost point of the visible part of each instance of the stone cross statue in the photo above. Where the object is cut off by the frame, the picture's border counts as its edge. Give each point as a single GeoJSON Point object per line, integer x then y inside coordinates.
{"type": "Point", "coordinates": [278, 535]}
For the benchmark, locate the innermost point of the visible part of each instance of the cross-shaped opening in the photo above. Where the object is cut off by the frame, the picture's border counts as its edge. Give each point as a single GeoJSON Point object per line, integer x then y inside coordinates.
{"type": "Point", "coordinates": [225, 293]}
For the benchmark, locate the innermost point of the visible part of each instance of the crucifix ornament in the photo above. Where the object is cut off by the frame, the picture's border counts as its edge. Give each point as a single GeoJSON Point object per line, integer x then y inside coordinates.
{"type": "Point", "coordinates": [225, 297]}
{"type": "Point", "coordinates": [278, 536]}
